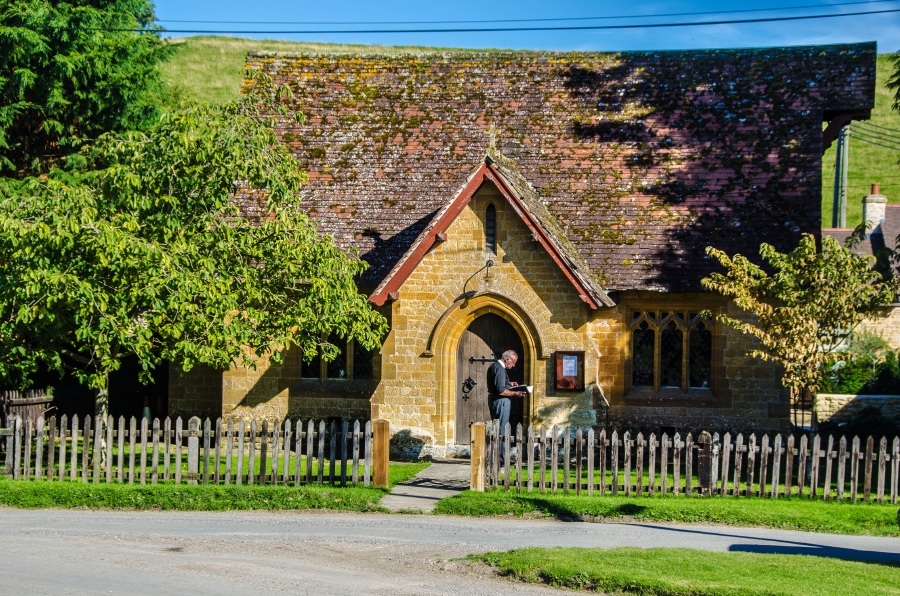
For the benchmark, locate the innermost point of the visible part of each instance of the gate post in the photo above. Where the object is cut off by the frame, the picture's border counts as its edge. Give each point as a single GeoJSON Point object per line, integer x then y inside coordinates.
{"type": "Point", "coordinates": [476, 457]}
{"type": "Point", "coordinates": [381, 449]}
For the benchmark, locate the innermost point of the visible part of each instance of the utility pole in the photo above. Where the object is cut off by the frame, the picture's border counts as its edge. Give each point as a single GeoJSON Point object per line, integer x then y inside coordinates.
{"type": "Point", "coordinates": [841, 166]}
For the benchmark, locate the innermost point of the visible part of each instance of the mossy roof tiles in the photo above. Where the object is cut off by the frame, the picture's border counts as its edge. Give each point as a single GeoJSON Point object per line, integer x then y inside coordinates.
{"type": "Point", "coordinates": [643, 158]}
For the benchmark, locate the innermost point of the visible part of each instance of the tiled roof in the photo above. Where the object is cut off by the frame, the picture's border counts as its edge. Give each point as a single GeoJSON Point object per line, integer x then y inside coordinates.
{"type": "Point", "coordinates": [644, 158]}
{"type": "Point", "coordinates": [885, 234]}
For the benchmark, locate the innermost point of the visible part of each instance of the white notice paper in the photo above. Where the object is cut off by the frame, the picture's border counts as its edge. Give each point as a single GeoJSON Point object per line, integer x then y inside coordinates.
{"type": "Point", "coordinates": [570, 366]}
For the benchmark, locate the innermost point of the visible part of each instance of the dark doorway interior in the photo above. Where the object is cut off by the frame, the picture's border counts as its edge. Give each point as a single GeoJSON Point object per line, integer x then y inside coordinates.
{"type": "Point", "coordinates": [127, 396]}
{"type": "Point", "coordinates": [486, 338]}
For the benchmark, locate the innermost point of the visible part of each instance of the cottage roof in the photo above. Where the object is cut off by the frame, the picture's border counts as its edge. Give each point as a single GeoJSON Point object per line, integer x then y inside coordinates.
{"type": "Point", "coordinates": [642, 158]}
{"type": "Point", "coordinates": [503, 173]}
{"type": "Point", "coordinates": [885, 234]}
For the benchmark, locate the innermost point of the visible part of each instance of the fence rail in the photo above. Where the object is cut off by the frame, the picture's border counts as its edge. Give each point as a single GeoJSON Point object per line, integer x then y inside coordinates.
{"type": "Point", "coordinates": [225, 452]}
{"type": "Point", "coordinates": [807, 465]}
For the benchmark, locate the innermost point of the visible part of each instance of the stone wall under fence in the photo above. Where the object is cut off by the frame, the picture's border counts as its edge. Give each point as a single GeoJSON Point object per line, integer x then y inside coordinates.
{"type": "Point", "coordinates": [835, 407]}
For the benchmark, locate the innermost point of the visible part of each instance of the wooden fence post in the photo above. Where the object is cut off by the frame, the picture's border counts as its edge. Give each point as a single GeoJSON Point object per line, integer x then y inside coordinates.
{"type": "Point", "coordinates": [143, 450]}
{"type": "Point", "coordinates": [193, 450]}
{"type": "Point", "coordinates": [120, 456]}
{"type": "Point", "coordinates": [207, 427]}
{"type": "Point", "coordinates": [17, 446]}
{"type": "Point", "coordinates": [63, 434]}
{"type": "Point", "coordinates": [97, 454]}
{"type": "Point", "coordinates": [626, 463]}
{"type": "Point", "coordinates": [354, 477]}
{"type": "Point", "coordinates": [895, 469]}
{"type": "Point", "coordinates": [178, 441]}
{"type": "Point", "coordinates": [530, 449]}
{"type": "Point", "coordinates": [367, 460]}
{"type": "Point", "coordinates": [639, 464]}
{"type": "Point", "coordinates": [242, 432]}
{"type": "Point", "coordinates": [476, 474]}
{"type": "Point", "coordinates": [298, 450]}
{"type": "Point", "coordinates": [381, 446]}
{"type": "Point", "coordinates": [10, 441]}
{"type": "Point", "coordinates": [109, 448]}
{"type": "Point", "coordinates": [727, 448]}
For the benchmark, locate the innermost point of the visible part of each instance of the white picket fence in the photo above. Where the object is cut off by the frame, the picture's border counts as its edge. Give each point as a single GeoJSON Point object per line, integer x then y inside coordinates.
{"type": "Point", "coordinates": [226, 452]}
{"type": "Point", "coordinates": [585, 462]}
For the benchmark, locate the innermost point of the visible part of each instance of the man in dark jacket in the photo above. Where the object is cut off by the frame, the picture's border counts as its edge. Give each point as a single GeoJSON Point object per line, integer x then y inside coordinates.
{"type": "Point", "coordinates": [500, 391]}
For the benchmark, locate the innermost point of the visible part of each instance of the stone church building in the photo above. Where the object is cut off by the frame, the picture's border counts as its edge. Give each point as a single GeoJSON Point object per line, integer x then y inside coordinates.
{"type": "Point", "coordinates": [557, 204]}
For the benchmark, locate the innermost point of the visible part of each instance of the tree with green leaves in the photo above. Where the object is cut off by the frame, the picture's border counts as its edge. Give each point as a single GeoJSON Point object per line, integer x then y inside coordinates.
{"type": "Point", "coordinates": [70, 71]}
{"type": "Point", "coordinates": [893, 82]}
{"type": "Point", "coordinates": [182, 242]}
{"type": "Point", "coordinates": [803, 312]}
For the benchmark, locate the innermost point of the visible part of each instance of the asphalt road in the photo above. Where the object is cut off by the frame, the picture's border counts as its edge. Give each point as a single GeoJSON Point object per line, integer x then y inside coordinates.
{"type": "Point", "coordinates": [88, 552]}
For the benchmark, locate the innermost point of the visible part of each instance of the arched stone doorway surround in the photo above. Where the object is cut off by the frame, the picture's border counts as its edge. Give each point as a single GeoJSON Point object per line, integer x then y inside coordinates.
{"type": "Point", "coordinates": [443, 344]}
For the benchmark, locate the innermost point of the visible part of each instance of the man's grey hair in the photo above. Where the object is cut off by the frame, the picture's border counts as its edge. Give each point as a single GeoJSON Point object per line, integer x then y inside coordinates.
{"type": "Point", "coordinates": [509, 355]}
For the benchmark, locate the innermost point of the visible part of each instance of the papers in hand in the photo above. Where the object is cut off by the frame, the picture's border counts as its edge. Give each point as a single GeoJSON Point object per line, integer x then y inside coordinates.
{"type": "Point", "coordinates": [522, 388]}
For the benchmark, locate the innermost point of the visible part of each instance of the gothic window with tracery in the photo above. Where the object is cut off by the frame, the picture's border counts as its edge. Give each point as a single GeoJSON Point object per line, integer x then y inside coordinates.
{"type": "Point", "coordinates": [671, 350]}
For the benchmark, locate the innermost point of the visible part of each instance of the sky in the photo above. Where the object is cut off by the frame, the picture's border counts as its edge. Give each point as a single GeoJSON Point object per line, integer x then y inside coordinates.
{"type": "Point", "coordinates": [282, 16]}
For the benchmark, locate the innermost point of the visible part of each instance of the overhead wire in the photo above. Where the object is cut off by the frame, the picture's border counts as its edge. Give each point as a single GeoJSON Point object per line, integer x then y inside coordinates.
{"type": "Point", "coordinates": [861, 137]}
{"type": "Point", "coordinates": [497, 29]}
{"type": "Point", "coordinates": [533, 20]}
{"type": "Point", "coordinates": [876, 134]}
{"type": "Point", "coordinates": [869, 124]}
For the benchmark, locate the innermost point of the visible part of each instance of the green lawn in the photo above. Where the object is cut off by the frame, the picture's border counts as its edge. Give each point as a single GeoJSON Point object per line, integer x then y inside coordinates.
{"type": "Point", "coordinates": [43, 494]}
{"type": "Point", "coordinates": [687, 572]}
{"type": "Point", "coordinates": [789, 514]}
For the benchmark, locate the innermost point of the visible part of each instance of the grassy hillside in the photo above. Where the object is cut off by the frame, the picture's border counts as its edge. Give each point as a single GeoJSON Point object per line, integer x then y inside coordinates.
{"type": "Point", "coordinates": [210, 68]}
{"type": "Point", "coordinates": [868, 163]}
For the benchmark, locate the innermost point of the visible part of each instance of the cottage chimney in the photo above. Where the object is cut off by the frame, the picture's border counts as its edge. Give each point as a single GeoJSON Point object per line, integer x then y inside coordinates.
{"type": "Point", "coordinates": [873, 209]}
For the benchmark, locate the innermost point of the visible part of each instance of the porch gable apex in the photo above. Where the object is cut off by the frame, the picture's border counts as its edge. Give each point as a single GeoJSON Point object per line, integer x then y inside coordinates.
{"type": "Point", "coordinates": [502, 173]}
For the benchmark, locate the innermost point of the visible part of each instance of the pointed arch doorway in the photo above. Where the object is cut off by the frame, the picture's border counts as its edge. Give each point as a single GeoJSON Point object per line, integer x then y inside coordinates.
{"type": "Point", "coordinates": [482, 342]}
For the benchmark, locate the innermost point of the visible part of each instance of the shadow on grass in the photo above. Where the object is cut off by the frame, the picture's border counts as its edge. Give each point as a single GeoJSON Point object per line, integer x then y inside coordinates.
{"type": "Point", "coordinates": [563, 512]}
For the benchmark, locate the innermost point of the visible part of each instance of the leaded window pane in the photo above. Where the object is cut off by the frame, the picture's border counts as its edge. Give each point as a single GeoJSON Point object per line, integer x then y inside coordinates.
{"type": "Point", "coordinates": [362, 362]}
{"type": "Point", "coordinates": [311, 369]}
{"type": "Point", "coordinates": [490, 228]}
{"type": "Point", "coordinates": [642, 355]}
{"type": "Point", "coordinates": [671, 353]}
{"type": "Point", "coordinates": [700, 356]}
{"type": "Point", "coordinates": [337, 368]}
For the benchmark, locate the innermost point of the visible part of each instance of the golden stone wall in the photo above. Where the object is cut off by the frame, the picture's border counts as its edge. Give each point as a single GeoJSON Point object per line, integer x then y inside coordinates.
{"type": "Point", "coordinates": [195, 393]}
{"type": "Point", "coordinates": [886, 324]}
{"type": "Point", "coordinates": [418, 382]}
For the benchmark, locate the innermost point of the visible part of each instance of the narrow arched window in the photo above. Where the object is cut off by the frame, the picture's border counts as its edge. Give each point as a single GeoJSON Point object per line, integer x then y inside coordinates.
{"type": "Point", "coordinates": [490, 228]}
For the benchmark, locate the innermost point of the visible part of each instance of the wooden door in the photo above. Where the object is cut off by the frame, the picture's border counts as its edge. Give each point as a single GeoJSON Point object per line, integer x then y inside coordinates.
{"type": "Point", "coordinates": [486, 338]}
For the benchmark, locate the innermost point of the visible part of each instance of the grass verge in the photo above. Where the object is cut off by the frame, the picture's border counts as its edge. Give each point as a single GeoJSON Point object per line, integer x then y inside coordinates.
{"type": "Point", "coordinates": [688, 572]}
{"type": "Point", "coordinates": [786, 514]}
{"type": "Point", "coordinates": [172, 497]}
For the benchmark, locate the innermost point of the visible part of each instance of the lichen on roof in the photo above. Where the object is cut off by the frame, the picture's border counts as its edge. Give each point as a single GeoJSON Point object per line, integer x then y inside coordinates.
{"type": "Point", "coordinates": [643, 158]}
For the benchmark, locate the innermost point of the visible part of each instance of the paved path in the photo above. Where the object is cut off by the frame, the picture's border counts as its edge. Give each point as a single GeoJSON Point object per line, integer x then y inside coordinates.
{"type": "Point", "coordinates": [236, 553]}
{"type": "Point", "coordinates": [442, 479]}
